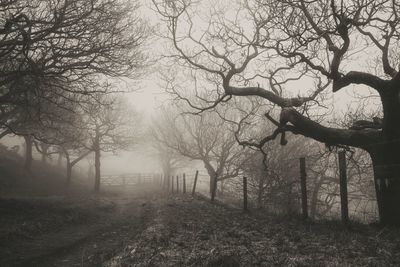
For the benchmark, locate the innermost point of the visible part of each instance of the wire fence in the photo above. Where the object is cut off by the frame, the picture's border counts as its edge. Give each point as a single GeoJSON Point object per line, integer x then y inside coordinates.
{"type": "Point", "coordinates": [280, 196]}
{"type": "Point", "coordinates": [286, 198]}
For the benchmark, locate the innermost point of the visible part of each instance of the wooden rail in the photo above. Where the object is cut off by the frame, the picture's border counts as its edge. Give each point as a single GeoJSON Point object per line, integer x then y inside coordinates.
{"type": "Point", "coordinates": [128, 179]}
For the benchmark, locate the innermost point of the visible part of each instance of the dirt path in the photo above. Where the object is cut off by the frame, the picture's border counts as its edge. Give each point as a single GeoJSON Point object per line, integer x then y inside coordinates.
{"type": "Point", "coordinates": [88, 242]}
{"type": "Point", "coordinates": [102, 243]}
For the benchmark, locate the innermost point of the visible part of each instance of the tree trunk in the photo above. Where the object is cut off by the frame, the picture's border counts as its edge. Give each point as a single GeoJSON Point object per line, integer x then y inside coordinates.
{"type": "Point", "coordinates": [211, 184]}
{"type": "Point", "coordinates": [97, 164]}
{"type": "Point", "coordinates": [28, 152]}
{"type": "Point", "coordinates": [69, 173]}
{"type": "Point", "coordinates": [45, 148]}
{"type": "Point", "coordinates": [262, 180]}
{"type": "Point", "coordinates": [213, 178]}
{"type": "Point", "coordinates": [387, 187]}
{"type": "Point", "coordinates": [386, 157]}
{"type": "Point", "coordinates": [214, 184]}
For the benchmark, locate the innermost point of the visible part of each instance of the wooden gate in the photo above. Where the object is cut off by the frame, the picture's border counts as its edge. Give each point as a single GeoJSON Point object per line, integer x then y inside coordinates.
{"type": "Point", "coordinates": [129, 179]}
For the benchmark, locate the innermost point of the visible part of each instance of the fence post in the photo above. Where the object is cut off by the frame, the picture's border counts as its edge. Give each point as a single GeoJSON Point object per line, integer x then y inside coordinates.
{"type": "Point", "coordinates": [172, 184]}
{"type": "Point", "coordinates": [303, 184]}
{"type": "Point", "coordinates": [343, 187]}
{"type": "Point", "coordinates": [195, 182]}
{"type": "Point", "coordinates": [184, 184]}
{"type": "Point", "coordinates": [244, 193]}
{"type": "Point", "coordinates": [177, 184]}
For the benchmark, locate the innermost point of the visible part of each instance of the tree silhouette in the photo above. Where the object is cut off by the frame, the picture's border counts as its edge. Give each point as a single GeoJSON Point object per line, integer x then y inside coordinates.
{"type": "Point", "coordinates": [52, 51]}
{"type": "Point", "coordinates": [110, 124]}
{"type": "Point", "coordinates": [204, 138]}
{"type": "Point", "coordinates": [266, 46]}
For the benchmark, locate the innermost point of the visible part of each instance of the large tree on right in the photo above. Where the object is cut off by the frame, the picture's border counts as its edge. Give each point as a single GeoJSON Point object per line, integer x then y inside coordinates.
{"type": "Point", "coordinates": [277, 49]}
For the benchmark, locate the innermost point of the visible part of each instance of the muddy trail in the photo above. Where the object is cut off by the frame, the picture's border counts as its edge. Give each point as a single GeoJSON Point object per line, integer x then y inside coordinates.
{"type": "Point", "coordinates": [152, 228]}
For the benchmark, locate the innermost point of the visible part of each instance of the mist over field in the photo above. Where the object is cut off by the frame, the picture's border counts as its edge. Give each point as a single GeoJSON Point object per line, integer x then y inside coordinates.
{"type": "Point", "coordinates": [199, 133]}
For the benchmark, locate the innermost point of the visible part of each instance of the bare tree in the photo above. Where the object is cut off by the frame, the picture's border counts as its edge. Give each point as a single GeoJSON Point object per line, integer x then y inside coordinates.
{"type": "Point", "coordinates": [79, 155]}
{"type": "Point", "coordinates": [42, 126]}
{"type": "Point", "coordinates": [28, 151]}
{"type": "Point", "coordinates": [111, 125]}
{"type": "Point", "coordinates": [69, 39]}
{"type": "Point", "coordinates": [73, 143]}
{"type": "Point", "coordinates": [205, 138]}
{"type": "Point", "coordinates": [171, 161]}
{"type": "Point", "coordinates": [52, 51]}
{"type": "Point", "coordinates": [269, 44]}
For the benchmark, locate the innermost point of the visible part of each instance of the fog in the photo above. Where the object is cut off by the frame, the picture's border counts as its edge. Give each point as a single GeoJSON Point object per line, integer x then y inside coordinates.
{"type": "Point", "coordinates": [148, 93]}
{"type": "Point", "coordinates": [199, 133]}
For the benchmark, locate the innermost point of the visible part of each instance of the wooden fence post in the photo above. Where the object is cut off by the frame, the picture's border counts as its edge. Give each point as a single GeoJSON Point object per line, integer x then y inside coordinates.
{"type": "Point", "coordinates": [343, 187]}
{"type": "Point", "coordinates": [194, 183]}
{"type": "Point", "coordinates": [245, 193]}
{"type": "Point", "coordinates": [184, 184]}
{"type": "Point", "coordinates": [303, 184]}
{"type": "Point", "coordinates": [172, 184]}
{"type": "Point", "coordinates": [177, 184]}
